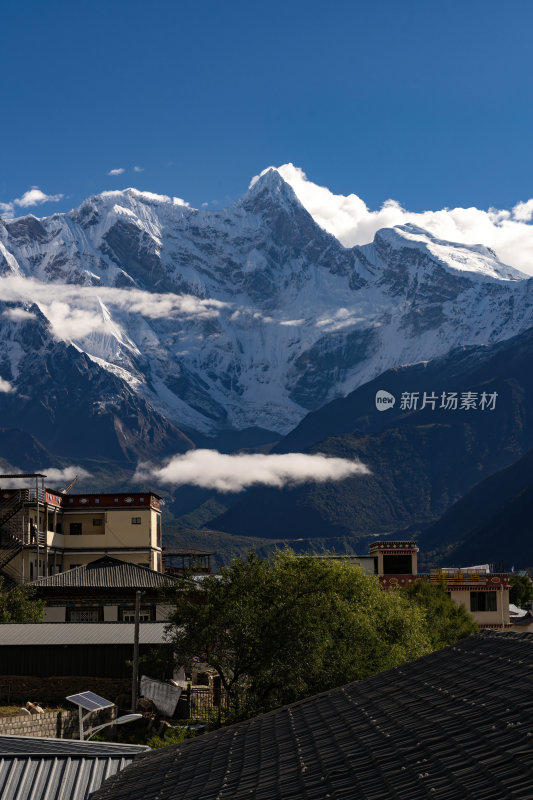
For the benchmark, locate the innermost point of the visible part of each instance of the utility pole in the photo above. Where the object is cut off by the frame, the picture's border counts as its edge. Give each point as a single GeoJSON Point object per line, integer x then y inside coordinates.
{"type": "Point", "coordinates": [135, 676]}
{"type": "Point", "coordinates": [37, 523]}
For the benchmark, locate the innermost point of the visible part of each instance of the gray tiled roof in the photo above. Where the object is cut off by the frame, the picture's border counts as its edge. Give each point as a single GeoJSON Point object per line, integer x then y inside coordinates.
{"type": "Point", "coordinates": [58, 769]}
{"type": "Point", "coordinates": [107, 573]}
{"type": "Point", "coordinates": [69, 633]}
{"type": "Point", "coordinates": [449, 726]}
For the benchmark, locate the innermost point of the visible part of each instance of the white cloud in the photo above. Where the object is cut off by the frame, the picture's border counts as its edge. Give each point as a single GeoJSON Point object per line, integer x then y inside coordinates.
{"type": "Point", "coordinates": [18, 314]}
{"type": "Point", "coordinates": [73, 323]}
{"type": "Point", "coordinates": [234, 473]}
{"type": "Point", "coordinates": [138, 169]}
{"type": "Point", "coordinates": [54, 477]}
{"type": "Point", "coordinates": [62, 477]}
{"type": "Point", "coordinates": [33, 197]}
{"type": "Point", "coordinates": [82, 310]}
{"type": "Point", "coordinates": [523, 212]}
{"type": "Point", "coordinates": [117, 171]}
{"type": "Point", "coordinates": [5, 386]}
{"type": "Point", "coordinates": [508, 233]}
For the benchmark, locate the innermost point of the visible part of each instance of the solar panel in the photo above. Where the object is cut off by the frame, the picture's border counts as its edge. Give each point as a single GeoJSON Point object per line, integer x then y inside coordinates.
{"type": "Point", "coordinates": [90, 701]}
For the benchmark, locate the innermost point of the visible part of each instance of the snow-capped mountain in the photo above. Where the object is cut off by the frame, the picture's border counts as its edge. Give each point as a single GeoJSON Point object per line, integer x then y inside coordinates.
{"type": "Point", "coordinates": [70, 403]}
{"type": "Point", "coordinates": [249, 316]}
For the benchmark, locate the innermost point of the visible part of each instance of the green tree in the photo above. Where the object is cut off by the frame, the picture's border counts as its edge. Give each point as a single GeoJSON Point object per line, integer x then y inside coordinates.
{"type": "Point", "coordinates": [446, 621]}
{"type": "Point", "coordinates": [521, 591]}
{"type": "Point", "coordinates": [18, 604]}
{"type": "Point", "coordinates": [279, 630]}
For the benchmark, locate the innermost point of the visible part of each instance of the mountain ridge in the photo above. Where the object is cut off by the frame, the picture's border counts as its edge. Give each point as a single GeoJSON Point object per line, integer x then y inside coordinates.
{"type": "Point", "coordinates": [243, 319]}
{"type": "Point", "coordinates": [422, 460]}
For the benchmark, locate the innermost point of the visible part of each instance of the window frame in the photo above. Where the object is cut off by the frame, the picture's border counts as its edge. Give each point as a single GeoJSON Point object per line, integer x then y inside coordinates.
{"type": "Point", "coordinates": [490, 602]}
{"type": "Point", "coordinates": [96, 611]}
{"type": "Point", "coordinates": [148, 612]}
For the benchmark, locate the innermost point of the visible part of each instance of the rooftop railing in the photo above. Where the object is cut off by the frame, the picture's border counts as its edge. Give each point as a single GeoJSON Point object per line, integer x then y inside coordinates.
{"type": "Point", "coordinates": [458, 574]}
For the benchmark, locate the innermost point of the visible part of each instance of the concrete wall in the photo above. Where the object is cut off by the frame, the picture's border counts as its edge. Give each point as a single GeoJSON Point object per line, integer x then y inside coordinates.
{"type": "Point", "coordinates": [484, 618]}
{"type": "Point", "coordinates": [54, 614]}
{"type": "Point", "coordinates": [110, 613]}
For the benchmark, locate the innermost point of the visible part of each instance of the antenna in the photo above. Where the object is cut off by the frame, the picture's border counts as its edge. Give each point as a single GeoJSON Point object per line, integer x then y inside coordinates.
{"type": "Point", "coordinates": [69, 487]}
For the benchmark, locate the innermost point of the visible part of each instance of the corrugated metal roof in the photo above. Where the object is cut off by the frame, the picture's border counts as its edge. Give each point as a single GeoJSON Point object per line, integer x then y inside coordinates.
{"type": "Point", "coordinates": [453, 725]}
{"type": "Point", "coordinates": [42, 746]}
{"type": "Point", "coordinates": [58, 769]}
{"type": "Point", "coordinates": [65, 633]}
{"type": "Point", "coordinates": [107, 573]}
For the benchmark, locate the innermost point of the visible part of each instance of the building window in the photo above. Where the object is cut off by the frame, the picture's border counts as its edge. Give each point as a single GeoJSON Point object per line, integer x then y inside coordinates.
{"type": "Point", "coordinates": [483, 601]}
{"type": "Point", "coordinates": [90, 614]}
{"type": "Point", "coordinates": [135, 520]}
{"type": "Point", "coordinates": [75, 528]}
{"type": "Point", "coordinates": [96, 499]}
{"type": "Point", "coordinates": [147, 614]}
{"type": "Point", "coordinates": [398, 565]}
{"type": "Point", "coordinates": [97, 523]}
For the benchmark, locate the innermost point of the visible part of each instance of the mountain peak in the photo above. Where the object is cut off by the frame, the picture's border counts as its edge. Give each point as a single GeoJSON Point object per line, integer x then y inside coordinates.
{"type": "Point", "coordinates": [460, 257]}
{"type": "Point", "coordinates": [269, 187]}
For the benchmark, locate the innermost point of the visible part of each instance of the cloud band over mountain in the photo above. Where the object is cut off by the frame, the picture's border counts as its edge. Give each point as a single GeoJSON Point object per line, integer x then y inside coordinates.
{"type": "Point", "coordinates": [210, 469]}
{"type": "Point", "coordinates": [79, 311]}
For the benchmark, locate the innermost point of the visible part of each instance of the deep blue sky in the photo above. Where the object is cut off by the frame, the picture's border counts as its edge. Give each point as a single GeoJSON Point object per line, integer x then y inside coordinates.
{"type": "Point", "coordinates": [426, 102]}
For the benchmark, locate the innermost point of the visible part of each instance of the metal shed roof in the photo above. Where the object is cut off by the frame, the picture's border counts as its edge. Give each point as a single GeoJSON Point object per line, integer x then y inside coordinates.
{"type": "Point", "coordinates": [89, 633]}
{"type": "Point", "coordinates": [453, 725]}
{"type": "Point", "coordinates": [58, 769]}
{"type": "Point", "coordinates": [107, 573]}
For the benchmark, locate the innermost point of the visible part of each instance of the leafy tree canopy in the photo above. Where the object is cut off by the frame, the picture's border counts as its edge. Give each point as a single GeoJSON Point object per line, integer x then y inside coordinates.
{"type": "Point", "coordinates": [280, 630]}
{"type": "Point", "coordinates": [18, 604]}
{"type": "Point", "coordinates": [446, 621]}
{"type": "Point", "coordinates": [521, 591]}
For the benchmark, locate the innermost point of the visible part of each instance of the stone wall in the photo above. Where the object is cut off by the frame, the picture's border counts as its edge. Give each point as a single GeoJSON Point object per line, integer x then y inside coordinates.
{"type": "Point", "coordinates": [52, 724]}
{"type": "Point", "coordinates": [18, 689]}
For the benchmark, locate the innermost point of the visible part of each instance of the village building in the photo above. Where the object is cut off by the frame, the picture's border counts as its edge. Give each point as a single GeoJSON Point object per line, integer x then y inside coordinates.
{"type": "Point", "coordinates": [104, 591]}
{"type": "Point", "coordinates": [89, 649]}
{"type": "Point", "coordinates": [44, 532]}
{"type": "Point", "coordinates": [485, 594]}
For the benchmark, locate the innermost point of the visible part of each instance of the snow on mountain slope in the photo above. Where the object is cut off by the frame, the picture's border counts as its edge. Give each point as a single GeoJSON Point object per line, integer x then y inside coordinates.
{"type": "Point", "coordinates": [252, 315]}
